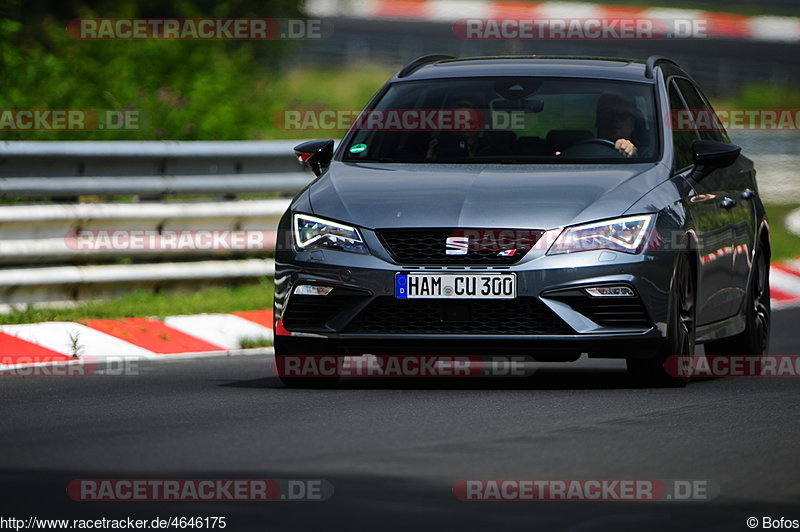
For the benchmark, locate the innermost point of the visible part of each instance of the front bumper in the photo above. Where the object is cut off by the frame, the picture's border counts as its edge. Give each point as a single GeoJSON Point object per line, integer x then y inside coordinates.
{"type": "Point", "coordinates": [548, 320]}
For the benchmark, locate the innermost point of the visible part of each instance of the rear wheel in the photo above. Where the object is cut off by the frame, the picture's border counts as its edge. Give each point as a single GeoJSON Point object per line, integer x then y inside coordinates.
{"type": "Point", "coordinates": [754, 340]}
{"type": "Point", "coordinates": [681, 333]}
{"type": "Point", "coordinates": [293, 354]}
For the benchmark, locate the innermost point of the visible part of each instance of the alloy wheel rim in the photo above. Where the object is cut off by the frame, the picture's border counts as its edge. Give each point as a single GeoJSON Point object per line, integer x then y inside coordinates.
{"type": "Point", "coordinates": [686, 320]}
{"type": "Point", "coordinates": [761, 303]}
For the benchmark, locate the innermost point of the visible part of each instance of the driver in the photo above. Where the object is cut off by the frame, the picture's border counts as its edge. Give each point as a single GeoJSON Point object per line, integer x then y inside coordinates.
{"type": "Point", "coordinates": [616, 121]}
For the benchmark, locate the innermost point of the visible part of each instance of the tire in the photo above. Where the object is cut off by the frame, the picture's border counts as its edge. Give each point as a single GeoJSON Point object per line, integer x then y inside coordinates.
{"type": "Point", "coordinates": [302, 348]}
{"type": "Point", "coordinates": [681, 332]}
{"type": "Point", "coordinates": [754, 340]}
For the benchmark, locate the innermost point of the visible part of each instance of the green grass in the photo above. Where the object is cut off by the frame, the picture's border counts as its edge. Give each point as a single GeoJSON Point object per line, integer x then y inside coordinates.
{"type": "Point", "coordinates": [760, 96]}
{"type": "Point", "coordinates": [140, 303]}
{"type": "Point", "coordinates": [344, 89]}
{"type": "Point", "coordinates": [785, 244]}
{"type": "Point", "coordinates": [251, 343]}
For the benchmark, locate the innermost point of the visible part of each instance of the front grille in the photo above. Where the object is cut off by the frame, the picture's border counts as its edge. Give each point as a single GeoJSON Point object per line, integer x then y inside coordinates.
{"type": "Point", "coordinates": [387, 315]}
{"type": "Point", "coordinates": [617, 312]}
{"type": "Point", "coordinates": [485, 246]}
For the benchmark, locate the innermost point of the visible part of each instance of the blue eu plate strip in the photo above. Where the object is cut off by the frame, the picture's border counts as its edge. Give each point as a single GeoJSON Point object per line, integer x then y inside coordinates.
{"type": "Point", "coordinates": [401, 285]}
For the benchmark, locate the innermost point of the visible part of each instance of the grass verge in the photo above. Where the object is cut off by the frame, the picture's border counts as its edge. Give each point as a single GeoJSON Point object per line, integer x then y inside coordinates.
{"type": "Point", "coordinates": [139, 303]}
{"type": "Point", "coordinates": [253, 342]}
{"type": "Point", "coordinates": [785, 244]}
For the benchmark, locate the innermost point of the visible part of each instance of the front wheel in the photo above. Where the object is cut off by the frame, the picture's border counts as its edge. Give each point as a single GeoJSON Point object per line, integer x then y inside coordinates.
{"type": "Point", "coordinates": [681, 333]}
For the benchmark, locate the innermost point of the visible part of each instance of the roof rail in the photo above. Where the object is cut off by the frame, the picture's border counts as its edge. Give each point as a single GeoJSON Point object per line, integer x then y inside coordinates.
{"type": "Point", "coordinates": [651, 63]}
{"type": "Point", "coordinates": [421, 61]}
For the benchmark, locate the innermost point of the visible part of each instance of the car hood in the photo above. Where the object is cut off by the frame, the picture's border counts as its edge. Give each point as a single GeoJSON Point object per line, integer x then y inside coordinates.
{"type": "Point", "coordinates": [492, 196]}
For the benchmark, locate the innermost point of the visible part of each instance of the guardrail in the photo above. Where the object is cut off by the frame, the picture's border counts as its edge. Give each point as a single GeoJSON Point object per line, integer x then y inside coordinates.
{"type": "Point", "coordinates": [33, 234]}
{"type": "Point", "coordinates": [147, 169]}
{"type": "Point", "coordinates": [42, 257]}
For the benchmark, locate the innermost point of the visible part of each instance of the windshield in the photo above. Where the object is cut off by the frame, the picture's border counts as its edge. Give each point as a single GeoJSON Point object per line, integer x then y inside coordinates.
{"type": "Point", "coordinates": [508, 120]}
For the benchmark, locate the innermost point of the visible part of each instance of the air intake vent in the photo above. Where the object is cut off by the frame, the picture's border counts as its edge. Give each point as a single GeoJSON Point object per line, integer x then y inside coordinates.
{"type": "Point", "coordinates": [315, 312]}
{"type": "Point", "coordinates": [616, 312]}
{"type": "Point", "coordinates": [387, 315]}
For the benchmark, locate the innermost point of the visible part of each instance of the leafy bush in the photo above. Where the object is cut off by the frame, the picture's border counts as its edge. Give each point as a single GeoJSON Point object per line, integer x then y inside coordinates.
{"type": "Point", "coordinates": [181, 90]}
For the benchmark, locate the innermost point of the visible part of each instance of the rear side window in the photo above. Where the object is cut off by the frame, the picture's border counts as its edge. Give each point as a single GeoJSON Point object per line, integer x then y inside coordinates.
{"type": "Point", "coordinates": [683, 133]}
{"type": "Point", "coordinates": [706, 120]}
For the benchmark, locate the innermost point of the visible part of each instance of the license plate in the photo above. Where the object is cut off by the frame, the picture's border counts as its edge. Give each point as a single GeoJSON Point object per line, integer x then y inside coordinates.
{"type": "Point", "coordinates": [456, 285]}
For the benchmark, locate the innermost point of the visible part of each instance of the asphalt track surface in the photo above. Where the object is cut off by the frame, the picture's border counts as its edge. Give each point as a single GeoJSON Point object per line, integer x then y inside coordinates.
{"type": "Point", "coordinates": [393, 448]}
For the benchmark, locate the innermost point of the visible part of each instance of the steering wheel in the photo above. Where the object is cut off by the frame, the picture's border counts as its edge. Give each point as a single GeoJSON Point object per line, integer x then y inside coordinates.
{"type": "Point", "coordinates": [579, 149]}
{"type": "Point", "coordinates": [601, 142]}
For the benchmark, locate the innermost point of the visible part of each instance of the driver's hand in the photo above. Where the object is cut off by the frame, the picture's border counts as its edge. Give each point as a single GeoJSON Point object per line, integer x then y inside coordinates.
{"type": "Point", "coordinates": [625, 147]}
{"type": "Point", "coordinates": [431, 153]}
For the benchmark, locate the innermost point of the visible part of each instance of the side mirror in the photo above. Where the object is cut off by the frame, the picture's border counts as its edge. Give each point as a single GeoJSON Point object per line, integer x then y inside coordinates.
{"type": "Point", "coordinates": [708, 155]}
{"type": "Point", "coordinates": [315, 154]}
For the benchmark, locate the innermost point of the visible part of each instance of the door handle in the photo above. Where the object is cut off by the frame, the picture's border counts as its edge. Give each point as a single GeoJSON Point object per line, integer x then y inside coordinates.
{"type": "Point", "coordinates": [727, 203]}
{"type": "Point", "coordinates": [748, 194]}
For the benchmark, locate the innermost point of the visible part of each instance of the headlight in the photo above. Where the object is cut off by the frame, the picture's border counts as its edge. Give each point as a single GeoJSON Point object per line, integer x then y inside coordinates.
{"type": "Point", "coordinates": [311, 232]}
{"type": "Point", "coordinates": [628, 235]}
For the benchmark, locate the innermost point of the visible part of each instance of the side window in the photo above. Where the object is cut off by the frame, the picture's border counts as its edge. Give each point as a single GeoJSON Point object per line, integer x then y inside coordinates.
{"type": "Point", "coordinates": [683, 133]}
{"type": "Point", "coordinates": [706, 120]}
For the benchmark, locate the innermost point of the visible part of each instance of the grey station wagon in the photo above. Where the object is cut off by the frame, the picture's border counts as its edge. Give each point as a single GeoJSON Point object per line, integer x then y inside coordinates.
{"type": "Point", "coordinates": [546, 207]}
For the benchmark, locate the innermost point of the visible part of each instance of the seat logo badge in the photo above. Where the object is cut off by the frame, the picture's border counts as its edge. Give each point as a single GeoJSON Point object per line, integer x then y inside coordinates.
{"type": "Point", "coordinates": [456, 245]}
